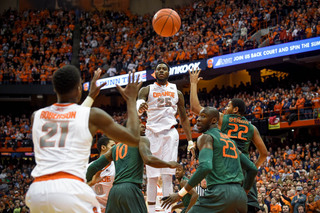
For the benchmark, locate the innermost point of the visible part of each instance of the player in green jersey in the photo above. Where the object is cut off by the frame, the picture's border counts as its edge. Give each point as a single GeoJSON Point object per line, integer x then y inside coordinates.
{"type": "Point", "coordinates": [237, 127]}
{"type": "Point", "coordinates": [220, 162]}
{"type": "Point", "coordinates": [189, 199]}
{"type": "Point", "coordinates": [126, 196]}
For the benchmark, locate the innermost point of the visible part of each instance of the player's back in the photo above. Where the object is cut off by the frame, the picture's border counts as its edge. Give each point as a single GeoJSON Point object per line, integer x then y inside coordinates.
{"type": "Point", "coordinates": [162, 107]}
{"type": "Point", "coordinates": [62, 140]}
{"type": "Point", "coordinates": [226, 166]}
{"type": "Point", "coordinates": [128, 164]}
{"type": "Point", "coordinates": [239, 129]}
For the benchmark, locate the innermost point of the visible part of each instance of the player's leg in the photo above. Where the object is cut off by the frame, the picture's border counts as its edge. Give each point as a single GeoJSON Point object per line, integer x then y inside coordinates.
{"type": "Point", "coordinates": [153, 173]}
{"type": "Point", "coordinates": [152, 193]}
{"type": "Point", "coordinates": [170, 142]}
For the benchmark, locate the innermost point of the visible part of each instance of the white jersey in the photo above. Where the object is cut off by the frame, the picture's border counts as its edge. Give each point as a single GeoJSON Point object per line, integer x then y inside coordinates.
{"type": "Point", "coordinates": [62, 140]}
{"type": "Point", "coordinates": [162, 107]}
{"type": "Point", "coordinates": [102, 188]}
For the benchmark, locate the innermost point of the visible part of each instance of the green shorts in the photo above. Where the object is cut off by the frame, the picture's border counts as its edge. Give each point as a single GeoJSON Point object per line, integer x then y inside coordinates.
{"type": "Point", "coordinates": [126, 198]}
{"type": "Point", "coordinates": [229, 198]}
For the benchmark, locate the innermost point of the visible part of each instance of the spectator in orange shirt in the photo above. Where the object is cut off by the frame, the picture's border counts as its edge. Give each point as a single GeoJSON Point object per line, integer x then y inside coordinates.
{"type": "Point", "coordinates": [274, 206]}
{"type": "Point", "coordinates": [300, 105]}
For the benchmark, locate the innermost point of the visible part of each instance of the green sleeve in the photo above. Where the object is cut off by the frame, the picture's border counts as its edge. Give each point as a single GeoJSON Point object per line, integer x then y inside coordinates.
{"type": "Point", "coordinates": [205, 166]}
{"type": "Point", "coordinates": [251, 170]}
{"type": "Point", "coordinates": [96, 166]}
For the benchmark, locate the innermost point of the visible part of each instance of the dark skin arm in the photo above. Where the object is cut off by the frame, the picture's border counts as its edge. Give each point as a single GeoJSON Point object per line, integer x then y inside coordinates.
{"type": "Point", "coordinates": [149, 159]}
{"type": "Point", "coordinates": [193, 193]}
{"type": "Point", "coordinates": [103, 121]}
{"type": "Point", "coordinates": [96, 178]}
{"type": "Point", "coordinates": [183, 116]}
{"type": "Point", "coordinates": [262, 149]}
{"type": "Point", "coordinates": [204, 141]}
{"type": "Point", "coordinates": [143, 94]}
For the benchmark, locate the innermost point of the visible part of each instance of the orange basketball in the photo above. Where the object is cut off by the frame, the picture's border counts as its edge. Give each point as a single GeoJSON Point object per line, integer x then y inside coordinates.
{"type": "Point", "coordinates": [166, 22]}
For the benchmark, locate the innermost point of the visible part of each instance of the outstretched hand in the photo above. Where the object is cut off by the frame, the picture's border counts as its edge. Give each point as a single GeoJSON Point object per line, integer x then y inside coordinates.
{"type": "Point", "coordinates": [94, 89]}
{"type": "Point", "coordinates": [132, 88]}
{"type": "Point", "coordinates": [194, 75]}
{"type": "Point", "coordinates": [171, 199]}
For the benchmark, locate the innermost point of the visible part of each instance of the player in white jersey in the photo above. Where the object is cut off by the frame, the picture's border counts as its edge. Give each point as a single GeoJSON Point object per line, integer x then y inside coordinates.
{"type": "Point", "coordinates": [162, 101]}
{"type": "Point", "coordinates": [102, 182]}
{"type": "Point", "coordinates": [62, 135]}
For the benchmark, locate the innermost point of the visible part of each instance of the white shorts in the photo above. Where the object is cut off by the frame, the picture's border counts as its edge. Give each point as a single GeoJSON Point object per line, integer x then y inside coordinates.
{"type": "Point", "coordinates": [163, 145]}
{"type": "Point", "coordinates": [61, 195]}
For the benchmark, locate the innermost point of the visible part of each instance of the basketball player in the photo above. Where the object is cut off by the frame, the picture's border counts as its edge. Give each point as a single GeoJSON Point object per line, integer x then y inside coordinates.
{"type": "Point", "coordinates": [238, 128]}
{"type": "Point", "coordinates": [162, 100]}
{"type": "Point", "coordinates": [189, 199]}
{"type": "Point", "coordinates": [62, 135]}
{"type": "Point", "coordinates": [220, 162]}
{"type": "Point", "coordinates": [126, 195]}
{"type": "Point", "coordinates": [102, 182]}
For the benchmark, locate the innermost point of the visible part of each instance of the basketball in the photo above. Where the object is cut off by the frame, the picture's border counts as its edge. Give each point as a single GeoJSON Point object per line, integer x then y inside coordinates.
{"type": "Point", "coordinates": [166, 22]}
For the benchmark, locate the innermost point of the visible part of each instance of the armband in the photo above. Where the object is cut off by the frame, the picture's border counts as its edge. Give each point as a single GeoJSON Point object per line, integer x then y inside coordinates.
{"type": "Point", "coordinates": [87, 102]}
{"type": "Point", "coordinates": [182, 192]}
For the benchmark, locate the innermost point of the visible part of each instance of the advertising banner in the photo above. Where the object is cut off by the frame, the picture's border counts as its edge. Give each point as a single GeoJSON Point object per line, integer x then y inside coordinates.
{"type": "Point", "coordinates": [264, 53]}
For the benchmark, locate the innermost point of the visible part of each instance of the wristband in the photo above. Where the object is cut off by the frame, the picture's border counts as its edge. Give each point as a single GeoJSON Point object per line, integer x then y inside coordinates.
{"type": "Point", "coordinates": [88, 102]}
{"type": "Point", "coordinates": [190, 145]}
{"type": "Point", "coordinates": [182, 192]}
{"type": "Point", "coordinates": [139, 102]}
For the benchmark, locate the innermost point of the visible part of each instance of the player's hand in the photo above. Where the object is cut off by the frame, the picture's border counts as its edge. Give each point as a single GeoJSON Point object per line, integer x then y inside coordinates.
{"type": "Point", "coordinates": [143, 107]}
{"type": "Point", "coordinates": [173, 164]}
{"type": "Point", "coordinates": [94, 89]}
{"type": "Point", "coordinates": [132, 88]}
{"type": "Point", "coordinates": [96, 178]}
{"type": "Point", "coordinates": [172, 198]}
{"type": "Point", "coordinates": [194, 75]}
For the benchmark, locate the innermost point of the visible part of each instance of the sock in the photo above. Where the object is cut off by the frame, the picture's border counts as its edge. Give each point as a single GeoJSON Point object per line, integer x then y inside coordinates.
{"type": "Point", "coordinates": [152, 193]}
{"type": "Point", "coordinates": [151, 208]}
{"type": "Point", "coordinates": [167, 187]}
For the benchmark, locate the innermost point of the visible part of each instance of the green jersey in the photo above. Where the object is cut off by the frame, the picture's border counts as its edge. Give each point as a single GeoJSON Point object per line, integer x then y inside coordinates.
{"type": "Point", "coordinates": [186, 199]}
{"type": "Point", "coordinates": [226, 166]}
{"type": "Point", "coordinates": [238, 129]}
{"type": "Point", "coordinates": [128, 164]}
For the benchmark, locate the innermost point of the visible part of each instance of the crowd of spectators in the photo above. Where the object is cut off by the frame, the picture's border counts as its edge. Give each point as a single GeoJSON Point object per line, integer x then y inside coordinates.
{"type": "Point", "coordinates": [15, 131]}
{"type": "Point", "coordinates": [119, 42]}
{"type": "Point", "coordinates": [15, 180]}
{"type": "Point", "coordinates": [33, 44]}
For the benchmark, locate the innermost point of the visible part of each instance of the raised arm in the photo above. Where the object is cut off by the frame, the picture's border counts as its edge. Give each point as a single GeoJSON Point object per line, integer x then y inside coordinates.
{"type": "Point", "coordinates": [258, 142]}
{"type": "Point", "coordinates": [183, 116]}
{"type": "Point", "coordinates": [101, 120]}
{"type": "Point", "coordinates": [97, 165]}
{"type": "Point", "coordinates": [149, 159]}
{"type": "Point", "coordinates": [94, 89]}
{"type": "Point", "coordinates": [194, 100]}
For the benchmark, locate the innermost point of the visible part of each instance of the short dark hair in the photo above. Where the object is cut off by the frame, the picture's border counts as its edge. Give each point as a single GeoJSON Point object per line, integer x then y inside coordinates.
{"type": "Point", "coordinates": [162, 62]}
{"type": "Point", "coordinates": [237, 102]}
{"type": "Point", "coordinates": [103, 141]}
{"type": "Point", "coordinates": [66, 79]}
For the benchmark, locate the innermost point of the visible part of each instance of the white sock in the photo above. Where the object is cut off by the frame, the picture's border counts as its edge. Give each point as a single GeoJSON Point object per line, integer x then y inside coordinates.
{"type": "Point", "coordinates": [151, 208]}
{"type": "Point", "coordinates": [167, 188]}
{"type": "Point", "coordinates": [152, 193]}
